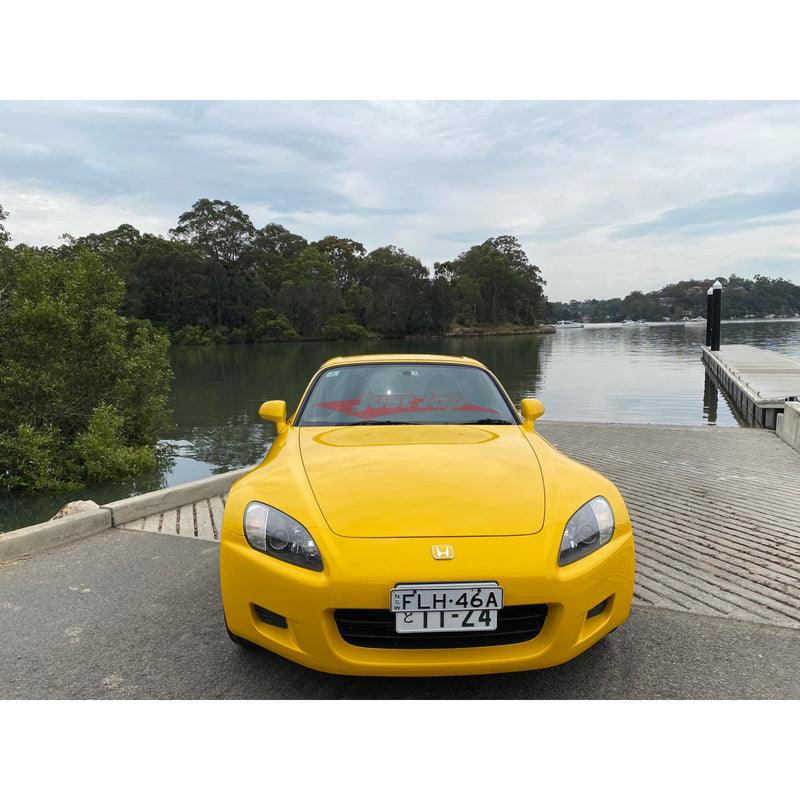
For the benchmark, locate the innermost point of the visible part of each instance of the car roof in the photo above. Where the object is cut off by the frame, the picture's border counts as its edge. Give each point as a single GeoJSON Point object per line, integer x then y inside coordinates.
{"type": "Point", "coordinates": [401, 358]}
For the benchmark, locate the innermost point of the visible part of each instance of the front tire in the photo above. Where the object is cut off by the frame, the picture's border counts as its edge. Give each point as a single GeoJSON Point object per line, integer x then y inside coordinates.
{"type": "Point", "coordinates": [237, 640]}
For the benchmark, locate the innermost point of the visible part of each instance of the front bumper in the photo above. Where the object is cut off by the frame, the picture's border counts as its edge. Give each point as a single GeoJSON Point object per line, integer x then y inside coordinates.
{"type": "Point", "coordinates": [581, 602]}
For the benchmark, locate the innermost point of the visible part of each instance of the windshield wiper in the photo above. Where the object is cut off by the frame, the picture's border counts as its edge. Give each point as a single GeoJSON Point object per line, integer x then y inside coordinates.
{"type": "Point", "coordinates": [378, 422]}
{"type": "Point", "coordinates": [487, 421]}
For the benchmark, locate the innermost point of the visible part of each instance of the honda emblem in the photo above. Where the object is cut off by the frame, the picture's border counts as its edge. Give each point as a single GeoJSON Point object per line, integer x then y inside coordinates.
{"type": "Point", "coordinates": [442, 552]}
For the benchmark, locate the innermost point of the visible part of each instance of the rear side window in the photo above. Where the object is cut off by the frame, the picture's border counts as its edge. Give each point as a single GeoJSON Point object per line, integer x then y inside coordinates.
{"type": "Point", "coordinates": [405, 394]}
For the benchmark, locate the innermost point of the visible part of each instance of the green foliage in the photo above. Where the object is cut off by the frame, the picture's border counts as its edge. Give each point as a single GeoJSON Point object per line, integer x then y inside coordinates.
{"type": "Point", "coordinates": [238, 336]}
{"type": "Point", "coordinates": [195, 335]}
{"type": "Point", "coordinates": [5, 236]}
{"type": "Point", "coordinates": [342, 327]}
{"type": "Point", "coordinates": [274, 250]}
{"type": "Point", "coordinates": [35, 459]}
{"type": "Point", "coordinates": [218, 228]}
{"type": "Point", "coordinates": [102, 450]}
{"type": "Point", "coordinates": [63, 343]}
{"type": "Point", "coordinates": [190, 335]}
{"type": "Point", "coordinates": [307, 304]}
{"type": "Point", "coordinates": [494, 282]}
{"type": "Point", "coordinates": [346, 257]}
{"type": "Point", "coordinates": [741, 298]}
{"type": "Point", "coordinates": [170, 284]}
{"type": "Point", "coordinates": [268, 325]}
{"type": "Point", "coordinates": [217, 270]}
{"type": "Point", "coordinates": [142, 388]}
{"type": "Point", "coordinates": [207, 284]}
{"type": "Point", "coordinates": [65, 351]}
{"type": "Point", "coordinates": [391, 292]}
{"type": "Point", "coordinates": [41, 460]}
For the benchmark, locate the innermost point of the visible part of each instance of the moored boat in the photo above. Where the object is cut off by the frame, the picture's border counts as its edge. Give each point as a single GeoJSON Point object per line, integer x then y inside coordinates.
{"type": "Point", "coordinates": [566, 323]}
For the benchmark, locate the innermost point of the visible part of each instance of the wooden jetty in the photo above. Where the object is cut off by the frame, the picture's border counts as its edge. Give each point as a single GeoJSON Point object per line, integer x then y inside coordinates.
{"type": "Point", "coordinates": [763, 385]}
{"type": "Point", "coordinates": [760, 381]}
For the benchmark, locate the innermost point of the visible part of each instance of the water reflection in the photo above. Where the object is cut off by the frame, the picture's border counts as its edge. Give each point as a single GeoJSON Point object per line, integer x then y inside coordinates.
{"type": "Point", "coordinates": [635, 374]}
{"type": "Point", "coordinates": [710, 400]}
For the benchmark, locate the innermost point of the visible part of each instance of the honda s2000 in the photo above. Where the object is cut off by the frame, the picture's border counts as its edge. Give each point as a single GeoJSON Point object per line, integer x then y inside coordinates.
{"type": "Point", "coordinates": [408, 520]}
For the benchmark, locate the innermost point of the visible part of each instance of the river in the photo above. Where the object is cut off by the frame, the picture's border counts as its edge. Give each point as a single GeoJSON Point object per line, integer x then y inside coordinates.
{"type": "Point", "coordinates": [599, 373]}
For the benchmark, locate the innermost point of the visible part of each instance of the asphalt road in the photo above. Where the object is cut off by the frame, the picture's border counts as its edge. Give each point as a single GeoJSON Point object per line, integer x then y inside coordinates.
{"type": "Point", "coordinates": [138, 616]}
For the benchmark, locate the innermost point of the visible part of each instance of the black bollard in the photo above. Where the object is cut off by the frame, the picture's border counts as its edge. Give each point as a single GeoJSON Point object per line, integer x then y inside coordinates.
{"type": "Point", "coordinates": [716, 303]}
{"type": "Point", "coordinates": [709, 316]}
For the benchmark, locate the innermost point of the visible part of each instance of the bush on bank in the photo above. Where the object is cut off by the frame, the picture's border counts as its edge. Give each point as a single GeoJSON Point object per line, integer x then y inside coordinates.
{"type": "Point", "coordinates": [343, 328]}
{"type": "Point", "coordinates": [268, 325]}
{"type": "Point", "coordinates": [83, 389]}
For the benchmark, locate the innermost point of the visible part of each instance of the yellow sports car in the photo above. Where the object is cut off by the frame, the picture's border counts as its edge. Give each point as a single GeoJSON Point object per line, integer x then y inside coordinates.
{"type": "Point", "coordinates": [408, 521]}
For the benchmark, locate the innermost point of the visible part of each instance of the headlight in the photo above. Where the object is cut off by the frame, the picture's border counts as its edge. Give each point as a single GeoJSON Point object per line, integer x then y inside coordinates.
{"type": "Point", "coordinates": [588, 529]}
{"type": "Point", "coordinates": [277, 534]}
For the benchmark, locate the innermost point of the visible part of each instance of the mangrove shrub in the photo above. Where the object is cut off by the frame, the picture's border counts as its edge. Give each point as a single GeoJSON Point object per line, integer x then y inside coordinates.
{"type": "Point", "coordinates": [83, 390]}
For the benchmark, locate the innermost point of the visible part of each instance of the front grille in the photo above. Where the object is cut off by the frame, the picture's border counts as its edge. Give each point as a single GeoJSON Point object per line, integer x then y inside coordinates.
{"type": "Point", "coordinates": [367, 627]}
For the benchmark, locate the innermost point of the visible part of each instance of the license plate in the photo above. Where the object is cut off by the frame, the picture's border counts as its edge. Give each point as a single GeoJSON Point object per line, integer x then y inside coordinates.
{"type": "Point", "coordinates": [428, 608]}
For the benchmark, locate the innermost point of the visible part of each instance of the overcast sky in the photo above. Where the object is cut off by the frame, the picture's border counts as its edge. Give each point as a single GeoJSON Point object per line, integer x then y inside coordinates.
{"type": "Point", "coordinates": [605, 196]}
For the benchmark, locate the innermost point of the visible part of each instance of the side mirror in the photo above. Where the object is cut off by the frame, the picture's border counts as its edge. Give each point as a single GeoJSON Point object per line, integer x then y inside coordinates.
{"type": "Point", "coordinates": [274, 411]}
{"type": "Point", "coordinates": [531, 409]}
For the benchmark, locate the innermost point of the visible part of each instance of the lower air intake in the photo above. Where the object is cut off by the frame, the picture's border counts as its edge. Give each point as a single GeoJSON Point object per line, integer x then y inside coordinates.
{"type": "Point", "coordinates": [376, 628]}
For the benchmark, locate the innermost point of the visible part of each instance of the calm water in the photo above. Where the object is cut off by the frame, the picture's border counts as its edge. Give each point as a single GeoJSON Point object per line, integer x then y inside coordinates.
{"type": "Point", "coordinates": [600, 373]}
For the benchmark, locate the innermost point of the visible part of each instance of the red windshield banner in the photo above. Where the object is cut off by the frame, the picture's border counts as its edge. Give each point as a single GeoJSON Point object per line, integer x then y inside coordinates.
{"type": "Point", "coordinates": [371, 405]}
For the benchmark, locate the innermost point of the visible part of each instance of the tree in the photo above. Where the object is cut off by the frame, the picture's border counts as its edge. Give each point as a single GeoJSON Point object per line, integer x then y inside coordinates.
{"type": "Point", "coordinates": [440, 303]}
{"type": "Point", "coordinates": [274, 250]}
{"type": "Point", "coordinates": [170, 284]}
{"type": "Point", "coordinates": [308, 304]}
{"type": "Point", "coordinates": [392, 292]}
{"type": "Point", "coordinates": [220, 229]}
{"type": "Point", "coordinates": [84, 389]}
{"type": "Point", "coordinates": [346, 256]}
{"type": "Point", "coordinates": [5, 263]}
{"type": "Point", "coordinates": [312, 265]}
{"type": "Point", "coordinates": [117, 248]}
{"type": "Point", "coordinates": [310, 296]}
{"type": "Point", "coordinates": [494, 282]}
{"type": "Point", "coordinates": [5, 236]}
{"type": "Point", "coordinates": [637, 305]}
{"type": "Point", "coordinates": [268, 325]}
{"type": "Point", "coordinates": [528, 302]}
{"type": "Point", "coordinates": [224, 233]}
{"type": "Point", "coordinates": [343, 328]}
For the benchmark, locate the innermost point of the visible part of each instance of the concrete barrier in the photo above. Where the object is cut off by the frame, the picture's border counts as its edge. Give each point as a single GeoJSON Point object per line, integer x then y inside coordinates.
{"type": "Point", "coordinates": [54, 533]}
{"type": "Point", "coordinates": [787, 425]}
{"type": "Point", "coordinates": [46, 535]}
{"type": "Point", "coordinates": [144, 505]}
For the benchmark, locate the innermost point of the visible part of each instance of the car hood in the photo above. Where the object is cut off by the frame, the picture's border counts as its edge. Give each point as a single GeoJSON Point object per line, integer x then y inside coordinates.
{"type": "Point", "coordinates": [407, 481]}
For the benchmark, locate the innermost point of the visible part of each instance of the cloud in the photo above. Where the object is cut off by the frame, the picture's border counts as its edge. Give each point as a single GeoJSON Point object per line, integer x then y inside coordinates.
{"type": "Point", "coordinates": [716, 214]}
{"type": "Point", "coordinates": [605, 197]}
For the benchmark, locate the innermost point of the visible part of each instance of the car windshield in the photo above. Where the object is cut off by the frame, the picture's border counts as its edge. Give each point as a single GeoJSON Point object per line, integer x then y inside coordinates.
{"type": "Point", "coordinates": [405, 394]}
